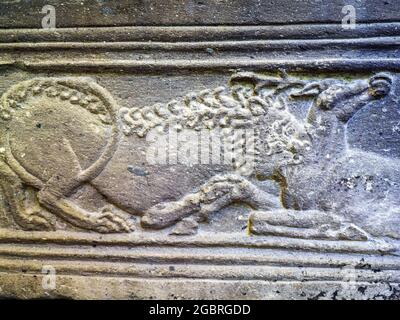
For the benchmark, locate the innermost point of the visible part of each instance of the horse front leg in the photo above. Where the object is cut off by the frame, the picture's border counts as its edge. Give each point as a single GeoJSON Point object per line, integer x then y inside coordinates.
{"type": "Point", "coordinates": [215, 194]}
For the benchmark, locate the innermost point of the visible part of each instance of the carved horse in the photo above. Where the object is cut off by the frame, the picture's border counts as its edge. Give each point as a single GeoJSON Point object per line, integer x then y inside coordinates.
{"type": "Point", "coordinates": [363, 187]}
{"type": "Point", "coordinates": [61, 140]}
{"type": "Point", "coordinates": [335, 186]}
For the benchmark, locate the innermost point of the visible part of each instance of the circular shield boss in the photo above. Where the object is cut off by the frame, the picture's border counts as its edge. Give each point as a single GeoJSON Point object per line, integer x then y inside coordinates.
{"type": "Point", "coordinates": [59, 126]}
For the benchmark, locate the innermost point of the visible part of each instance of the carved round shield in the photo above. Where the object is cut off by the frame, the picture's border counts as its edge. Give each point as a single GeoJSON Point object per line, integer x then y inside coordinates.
{"type": "Point", "coordinates": [54, 124]}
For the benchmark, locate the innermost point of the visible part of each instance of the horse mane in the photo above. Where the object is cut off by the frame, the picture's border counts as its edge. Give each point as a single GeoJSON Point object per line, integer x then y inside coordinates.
{"type": "Point", "coordinates": [250, 100]}
{"type": "Point", "coordinates": [222, 107]}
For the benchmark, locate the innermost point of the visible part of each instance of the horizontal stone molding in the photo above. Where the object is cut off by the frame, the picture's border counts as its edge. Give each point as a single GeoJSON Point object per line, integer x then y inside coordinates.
{"type": "Point", "coordinates": [200, 33]}
{"type": "Point", "coordinates": [150, 65]}
{"type": "Point", "coordinates": [244, 45]}
{"type": "Point", "coordinates": [97, 287]}
{"type": "Point", "coordinates": [233, 240]}
{"type": "Point", "coordinates": [194, 271]}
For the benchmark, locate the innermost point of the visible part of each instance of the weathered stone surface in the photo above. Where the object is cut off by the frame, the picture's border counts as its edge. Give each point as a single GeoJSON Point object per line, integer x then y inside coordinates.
{"type": "Point", "coordinates": [245, 161]}
{"type": "Point", "coordinates": [83, 13]}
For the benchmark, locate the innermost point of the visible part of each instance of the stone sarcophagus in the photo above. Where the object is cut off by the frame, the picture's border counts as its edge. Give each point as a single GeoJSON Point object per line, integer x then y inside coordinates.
{"type": "Point", "coordinates": [152, 150]}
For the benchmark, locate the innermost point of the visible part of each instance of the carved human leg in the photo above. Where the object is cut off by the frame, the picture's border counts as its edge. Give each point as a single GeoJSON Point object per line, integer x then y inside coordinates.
{"type": "Point", "coordinates": [214, 195]}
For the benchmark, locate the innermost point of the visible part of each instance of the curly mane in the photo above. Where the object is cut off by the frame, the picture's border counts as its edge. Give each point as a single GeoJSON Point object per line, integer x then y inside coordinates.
{"type": "Point", "coordinates": [249, 101]}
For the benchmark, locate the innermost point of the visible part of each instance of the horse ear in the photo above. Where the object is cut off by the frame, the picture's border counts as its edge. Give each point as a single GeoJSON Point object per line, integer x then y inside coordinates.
{"type": "Point", "coordinates": [311, 89]}
{"type": "Point", "coordinates": [382, 76]}
{"type": "Point", "coordinates": [380, 84]}
{"type": "Point", "coordinates": [251, 77]}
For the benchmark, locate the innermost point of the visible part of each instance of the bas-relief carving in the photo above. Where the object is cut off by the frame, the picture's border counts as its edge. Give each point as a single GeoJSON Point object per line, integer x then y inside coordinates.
{"type": "Point", "coordinates": [61, 135]}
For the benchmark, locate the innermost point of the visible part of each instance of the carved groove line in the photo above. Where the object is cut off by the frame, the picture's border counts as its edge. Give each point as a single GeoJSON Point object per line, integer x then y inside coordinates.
{"type": "Point", "coordinates": [237, 240]}
{"type": "Point", "coordinates": [202, 33]}
{"type": "Point", "coordinates": [146, 271]}
{"type": "Point", "coordinates": [332, 64]}
{"type": "Point", "coordinates": [244, 45]}
{"type": "Point", "coordinates": [201, 256]}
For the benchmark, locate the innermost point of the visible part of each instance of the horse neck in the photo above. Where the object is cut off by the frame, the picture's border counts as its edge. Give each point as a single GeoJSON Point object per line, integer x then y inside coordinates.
{"type": "Point", "coordinates": [328, 135]}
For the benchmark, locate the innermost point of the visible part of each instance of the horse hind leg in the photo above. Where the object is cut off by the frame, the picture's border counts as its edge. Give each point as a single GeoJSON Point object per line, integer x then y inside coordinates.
{"type": "Point", "coordinates": [217, 193]}
{"type": "Point", "coordinates": [311, 224]}
{"type": "Point", "coordinates": [54, 196]}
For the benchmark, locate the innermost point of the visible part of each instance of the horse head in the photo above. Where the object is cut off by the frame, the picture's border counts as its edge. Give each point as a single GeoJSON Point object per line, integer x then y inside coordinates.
{"type": "Point", "coordinates": [345, 99]}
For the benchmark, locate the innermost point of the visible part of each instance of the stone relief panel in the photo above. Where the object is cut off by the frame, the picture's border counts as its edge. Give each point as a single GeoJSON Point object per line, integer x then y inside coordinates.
{"type": "Point", "coordinates": [272, 149]}
{"type": "Point", "coordinates": [150, 150]}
